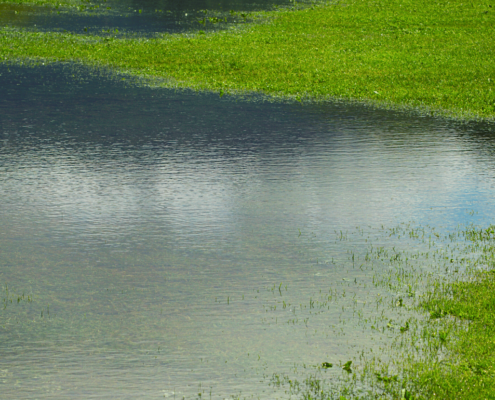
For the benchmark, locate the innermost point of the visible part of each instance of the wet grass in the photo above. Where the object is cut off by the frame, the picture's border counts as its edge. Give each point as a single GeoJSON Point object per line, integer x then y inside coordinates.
{"type": "Point", "coordinates": [11, 297]}
{"type": "Point", "coordinates": [432, 320]}
{"type": "Point", "coordinates": [463, 312]}
{"type": "Point", "coordinates": [81, 5]}
{"type": "Point", "coordinates": [447, 352]}
{"type": "Point", "coordinates": [436, 57]}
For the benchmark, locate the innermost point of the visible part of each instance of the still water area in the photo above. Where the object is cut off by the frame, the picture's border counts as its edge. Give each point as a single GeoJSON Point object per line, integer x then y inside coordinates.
{"type": "Point", "coordinates": [172, 242]}
{"type": "Point", "coordinates": [128, 17]}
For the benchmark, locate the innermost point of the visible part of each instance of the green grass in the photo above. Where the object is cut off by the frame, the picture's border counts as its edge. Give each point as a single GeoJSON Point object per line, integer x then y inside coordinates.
{"type": "Point", "coordinates": [469, 372]}
{"type": "Point", "coordinates": [435, 56]}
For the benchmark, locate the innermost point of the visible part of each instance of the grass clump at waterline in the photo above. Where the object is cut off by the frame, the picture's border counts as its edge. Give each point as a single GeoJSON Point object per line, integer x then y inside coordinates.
{"type": "Point", "coordinates": [451, 353]}
{"type": "Point", "coordinates": [436, 56]}
{"type": "Point", "coordinates": [468, 372]}
{"type": "Point", "coordinates": [433, 323]}
{"type": "Point", "coordinates": [468, 309]}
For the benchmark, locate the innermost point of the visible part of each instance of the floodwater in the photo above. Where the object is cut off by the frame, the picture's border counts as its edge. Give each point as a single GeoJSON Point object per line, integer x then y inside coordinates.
{"type": "Point", "coordinates": [157, 230]}
{"type": "Point", "coordinates": [174, 243]}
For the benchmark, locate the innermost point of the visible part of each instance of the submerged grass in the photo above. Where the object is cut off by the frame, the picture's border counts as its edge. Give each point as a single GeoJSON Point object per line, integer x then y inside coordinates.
{"type": "Point", "coordinates": [435, 56]}
{"type": "Point", "coordinates": [467, 371]}
{"type": "Point", "coordinates": [450, 352]}
{"type": "Point", "coordinates": [81, 5]}
{"type": "Point", "coordinates": [433, 321]}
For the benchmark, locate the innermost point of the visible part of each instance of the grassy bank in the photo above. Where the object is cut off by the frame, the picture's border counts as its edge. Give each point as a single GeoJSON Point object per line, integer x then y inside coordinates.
{"type": "Point", "coordinates": [435, 56]}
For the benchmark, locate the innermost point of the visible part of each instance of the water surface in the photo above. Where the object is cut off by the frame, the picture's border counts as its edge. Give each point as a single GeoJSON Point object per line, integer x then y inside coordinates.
{"type": "Point", "coordinates": [174, 241]}
{"type": "Point", "coordinates": [142, 18]}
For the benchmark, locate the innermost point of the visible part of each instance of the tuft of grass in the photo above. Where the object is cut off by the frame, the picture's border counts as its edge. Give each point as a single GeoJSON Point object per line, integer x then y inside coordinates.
{"type": "Point", "coordinates": [11, 297]}
{"type": "Point", "coordinates": [433, 56]}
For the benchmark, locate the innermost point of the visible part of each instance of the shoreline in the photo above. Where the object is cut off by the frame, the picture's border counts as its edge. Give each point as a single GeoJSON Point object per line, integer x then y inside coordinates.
{"type": "Point", "coordinates": [411, 60]}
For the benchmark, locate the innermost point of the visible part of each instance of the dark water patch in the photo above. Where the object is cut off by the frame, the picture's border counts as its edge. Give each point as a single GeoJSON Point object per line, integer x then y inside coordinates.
{"type": "Point", "coordinates": [134, 17]}
{"type": "Point", "coordinates": [226, 5]}
{"type": "Point", "coordinates": [102, 23]}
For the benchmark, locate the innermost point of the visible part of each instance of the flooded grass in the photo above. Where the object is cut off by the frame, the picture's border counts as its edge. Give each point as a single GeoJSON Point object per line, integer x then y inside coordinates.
{"type": "Point", "coordinates": [461, 329]}
{"type": "Point", "coordinates": [448, 354]}
{"type": "Point", "coordinates": [434, 316]}
{"type": "Point", "coordinates": [80, 5]}
{"type": "Point", "coordinates": [436, 57]}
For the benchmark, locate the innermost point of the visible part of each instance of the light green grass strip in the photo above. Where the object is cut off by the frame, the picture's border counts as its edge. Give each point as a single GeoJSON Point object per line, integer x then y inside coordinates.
{"type": "Point", "coordinates": [413, 53]}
